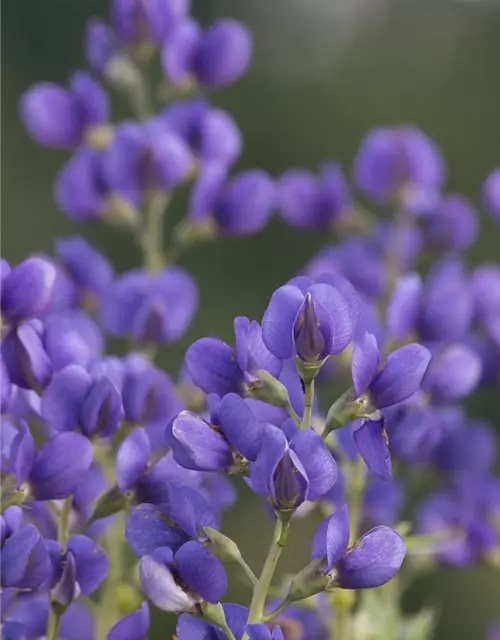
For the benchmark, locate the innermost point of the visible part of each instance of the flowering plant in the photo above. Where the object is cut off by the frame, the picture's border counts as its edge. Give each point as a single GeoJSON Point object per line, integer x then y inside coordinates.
{"type": "Point", "coordinates": [105, 458]}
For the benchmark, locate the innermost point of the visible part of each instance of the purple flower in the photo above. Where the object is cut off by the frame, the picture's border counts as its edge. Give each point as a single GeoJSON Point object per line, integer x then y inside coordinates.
{"type": "Point", "coordinates": [383, 501]}
{"type": "Point", "coordinates": [471, 449]}
{"type": "Point", "coordinates": [27, 290]}
{"type": "Point", "coordinates": [145, 156]}
{"type": "Point", "coordinates": [189, 627]}
{"type": "Point", "coordinates": [301, 623]}
{"type": "Point", "coordinates": [134, 626]}
{"type": "Point", "coordinates": [370, 562]}
{"type": "Point", "coordinates": [262, 632]}
{"type": "Point", "coordinates": [290, 473]}
{"type": "Point", "coordinates": [211, 134]}
{"type": "Point", "coordinates": [28, 364]}
{"type": "Point", "coordinates": [227, 442]}
{"type": "Point", "coordinates": [217, 368]}
{"type": "Point", "coordinates": [80, 188]}
{"type": "Point", "coordinates": [214, 59]}
{"type": "Point", "coordinates": [310, 202]}
{"type": "Point", "coordinates": [89, 269]}
{"type": "Point", "coordinates": [100, 45]}
{"type": "Point", "coordinates": [311, 321]}
{"type": "Point", "coordinates": [238, 207]}
{"type": "Point", "coordinates": [377, 388]}
{"type": "Point", "coordinates": [151, 21]}
{"type": "Point", "coordinates": [201, 574]}
{"type": "Point", "coordinates": [447, 303]}
{"type": "Point", "coordinates": [454, 372]}
{"type": "Point", "coordinates": [71, 338]}
{"type": "Point", "coordinates": [74, 398]}
{"type": "Point", "coordinates": [486, 287]}
{"type": "Point", "coordinates": [453, 224]}
{"type": "Point", "coordinates": [25, 559]}
{"type": "Point", "coordinates": [62, 118]}
{"type": "Point", "coordinates": [491, 194]}
{"type": "Point", "coordinates": [5, 386]}
{"type": "Point", "coordinates": [400, 163]}
{"type": "Point", "coordinates": [404, 306]}
{"type": "Point", "coordinates": [56, 469]}
{"type": "Point", "coordinates": [151, 308]}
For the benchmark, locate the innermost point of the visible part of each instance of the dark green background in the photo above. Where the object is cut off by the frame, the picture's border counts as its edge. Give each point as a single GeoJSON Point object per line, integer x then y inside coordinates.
{"type": "Point", "coordinates": [325, 71]}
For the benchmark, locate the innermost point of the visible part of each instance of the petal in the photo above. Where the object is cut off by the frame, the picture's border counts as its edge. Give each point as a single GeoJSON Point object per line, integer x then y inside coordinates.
{"type": "Point", "coordinates": [89, 268]}
{"type": "Point", "coordinates": [223, 54]}
{"type": "Point", "coordinates": [102, 410]}
{"type": "Point", "coordinates": [236, 618]}
{"type": "Point", "coordinates": [279, 319]}
{"type": "Point", "coordinates": [221, 139]}
{"type": "Point", "coordinates": [251, 352]}
{"type": "Point", "coordinates": [190, 510]}
{"type": "Point", "coordinates": [404, 306]}
{"type": "Point", "coordinates": [312, 331]}
{"type": "Point", "coordinates": [246, 204]}
{"type": "Point", "coordinates": [147, 528]}
{"type": "Point", "coordinates": [240, 426]}
{"type": "Point", "coordinates": [401, 375]}
{"type": "Point", "coordinates": [159, 585]}
{"type": "Point", "coordinates": [177, 55]}
{"type": "Point", "coordinates": [63, 397]}
{"type": "Point", "coordinates": [60, 465]}
{"type": "Point", "coordinates": [258, 632]}
{"type": "Point", "coordinates": [207, 191]}
{"type": "Point", "coordinates": [22, 455]}
{"type": "Point", "coordinates": [25, 561]}
{"type": "Point", "coordinates": [317, 461]}
{"type": "Point", "coordinates": [373, 560]}
{"type": "Point", "coordinates": [78, 188]}
{"type": "Point", "coordinates": [201, 571]}
{"type": "Point", "coordinates": [298, 194]}
{"type": "Point", "coordinates": [331, 538]}
{"type": "Point", "coordinates": [212, 366]}
{"type": "Point", "coordinates": [338, 308]}
{"type": "Point", "coordinates": [372, 447]}
{"type": "Point", "coordinates": [365, 362]}
{"type": "Point", "coordinates": [454, 373]}
{"type": "Point", "coordinates": [196, 445]}
{"type": "Point", "coordinates": [134, 626]}
{"type": "Point", "coordinates": [71, 338]}
{"type": "Point", "coordinates": [27, 290]}
{"type": "Point", "coordinates": [190, 628]}
{"type": "Point", "coordinates": [132, 459]}
{"type": "Point", "coordinates": [346, 289]}
{"type": "Point", "coordinates": [261, 472]}
{"type": "Point", "coordinates": [67, 588]}
{"type": "Point", "coordinates": [92, 563]}
{"type": "Point", "coordinates": [26, 360]}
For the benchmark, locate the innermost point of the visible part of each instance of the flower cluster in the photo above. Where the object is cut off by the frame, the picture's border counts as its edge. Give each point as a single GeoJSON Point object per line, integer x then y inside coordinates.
{"type": "Point", "coordinates": [103, 455]}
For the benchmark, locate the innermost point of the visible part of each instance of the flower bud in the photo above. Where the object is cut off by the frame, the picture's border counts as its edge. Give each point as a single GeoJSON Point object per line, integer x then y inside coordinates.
{"type": "Point", "coordinates": [308, 582]}
{"type": "Point", "coordinates": [269, 390]}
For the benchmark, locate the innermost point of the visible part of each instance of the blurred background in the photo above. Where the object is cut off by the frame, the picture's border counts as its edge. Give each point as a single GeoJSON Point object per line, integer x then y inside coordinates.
{"type": "Point", "coordinates": [324, 72]}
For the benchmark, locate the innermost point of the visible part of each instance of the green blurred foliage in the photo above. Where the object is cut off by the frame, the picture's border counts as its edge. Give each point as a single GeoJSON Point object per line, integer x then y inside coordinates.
{"type": "Point", "coordinates": [434, 63]}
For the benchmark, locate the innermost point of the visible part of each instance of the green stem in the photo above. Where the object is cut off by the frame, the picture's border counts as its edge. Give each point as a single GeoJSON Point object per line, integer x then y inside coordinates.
{"type": "Point", "coordinates": [293, 415]}
{"type": "Point", "coordinates": [274, 614]}
{"type": "Point", "coordinates": [54, 624]}
{"type": "Point", "coordinates": [308, 404]}
{"type": "Point", "coordinates": [64, 522]}
{"type": "Point", "coordinates": [152, 235]}
{"type": "Point", "coordinates": [342, 624]}
{"type": "Point", "coordinates": [252, 578]}
{"type": "Point", "coordinates": [356, 486]}
{"type": "Point", "coordinates": [228, 632]}
{"type": "Point", "coordinates": [261, 590]}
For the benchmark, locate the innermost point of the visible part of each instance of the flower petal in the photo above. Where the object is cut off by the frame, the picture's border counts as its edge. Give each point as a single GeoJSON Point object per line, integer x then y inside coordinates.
{"type": "Point", "coordinates": [212, 366]}
{"type": "Point", "coordinates": [262, 471]}
{"type": "Point", "coordinates": [64, 396]}
{"type": "Point", "coordinates": [147, 528]}
{"type": "Point", "coordinates": [132, 459]}
{"type": "Point", "coordinates": [373, 449]}
{"type": "Point", "coordinates": [331, 538]}
{"type": "Point", "coordinates": [401, 375]}
{"type": "Point", "coordinates": [201, 571]}
{"type": "Point", "coordinates": [25, 561]}
{"type": "Point", "coordinates": [159, 585]}
{"type": "Point", "coordinates": [134, 626]}
{"type": "Point", "coordinates": [365, 362]}
{"type": "Point", "coordinates": [338, 308]}
{"type": "Point", "coordinates": [92, 563]}
{"type": "Point", "coordinates": [453, 373]}
{"type": "Point", "coordinates": [22, 454]}
{"type": "Point", "coordinates": [240, 426]}
{"type": "Point", "coordinates": [373, 560]}
{"type": "Point", "coordinates": [279, 319]}
{"type": "Point", "coordinates": [318, 463]}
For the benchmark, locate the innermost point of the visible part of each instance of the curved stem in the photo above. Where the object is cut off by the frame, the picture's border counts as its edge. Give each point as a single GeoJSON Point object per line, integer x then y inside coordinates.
{"type": "Point", "coordinates": [152, 234]}
{"type": "Point", "coordinates": [274, 614]}
{"type": "Point", "coordinates": [228, 632]}
{"type": "Point", "coordinates": [293, 415]}
{"type": "Point", "coordinates": [308, 404]}
{"type": "Point", "coordinates": [261, 590]}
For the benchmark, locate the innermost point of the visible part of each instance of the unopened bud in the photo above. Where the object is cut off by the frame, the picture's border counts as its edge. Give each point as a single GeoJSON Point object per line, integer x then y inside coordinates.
{"type": "Point", "coordinates": [221, 546]}
{"type": "Point", "coordinates": [214, 613]}
{"type": "Point", "coordinates": [269, 390]}
{"type": "Point", "coordinates": [108, 504]}
{"type": "Point", "coordinates": [308, 582]}
{"type": "Point", "coordinates": [342, 412]}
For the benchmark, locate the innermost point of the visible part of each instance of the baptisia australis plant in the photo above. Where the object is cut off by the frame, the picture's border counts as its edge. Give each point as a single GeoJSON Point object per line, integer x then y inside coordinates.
{"type": "Point", "coordinates": [105, 458]}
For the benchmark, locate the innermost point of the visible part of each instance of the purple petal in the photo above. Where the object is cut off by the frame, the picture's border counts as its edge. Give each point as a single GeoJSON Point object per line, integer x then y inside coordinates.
{"type": "Point", "coordinates": [50, 115]}
{"type": "Point", "coordinates": [67, 588]}
{"type": "Point", "coordinates": [240, 426]}
{"type": "Point", "coordinates": [212, 366]}
{"type": "Point", "coordinates": [190, 510]}
{"type": "Point", "coordinates": [342, 318]}
{"type": "Point", "coordinates": [196, 445]}
{"type": "Point", "coordinates": [279, 319]}
{"type": "Point", "coordinates": [453, 373]}
{"type": "Point", "coordinates": [132, 459]}
{"type": "Point", "coordinates": [259, 632]}
{"type": "Point", "coordinates": [453, 224]}
{"type": "Point", "coordinates": [491, 194]}
{"type": "Point", "coordinates": [331, 538]}
{"type": "Point", "coordinates": [262, 471]}
{"type": "Point", "coordinates": [60, 465]}
{"type": "Point", "coordinates": [298, 193]}
{"type": "Point", "coordinates": [71, 338]}
{"type": "Point", "coordinates": [159, 585]}
{"type": "Point", "coordinates": [134, 626]}
{"type": "Point", "coordinates": [178, 54]}
{"type": "Point", "coordinates": [312, 331]}
{"type": "Point", "coordinates": [373, 560]}
{"type": "Point", "coordinates": [22, 455]}
{"type": "Point", "coordinates": [25, 560]}
{"type": "Point", "coordinates": [251, 352]}
{"type": "Point", "coordinates": [191, 628]}
{"type": "Point", "coordinates": [201, 571]}
{"type": "Point", "coordinates": [207, 191]}
{"type": "Point", "coordinates": [221, 139]}
{"type": "Point", "coordinates": [63, 397]}
{"type": "Point", "coordinates": [92, 563]}
{"type": "Point", "coordinates": [147, 529]}
{"type": "Point", "coordinates": [404, 306]}
{"type": "Point", "coordinates": [223, 54]}
{"type": "Point", "coordinates": [91, 99]}
{"type": "Point", "coordinates": [102, 410]}
{"type": "Point", "coordinates": [372, 447]}
{"type": "Point", "coordinates": [25, 358]}
{"type": "Point", "coordinates": [365, 362]}
{"type": "Point", "coordinates": [27, 290]}
{"type": "Point", "coordinates": [318, 463]}
{"type": "Point", "coordinates": [180, 295]}
{"type": "Point", "coordinates": [89, 268]}
{"type": "Point", "coordinates": [401, 375]}
{"type": "Point", "coordinates": [246, 204]}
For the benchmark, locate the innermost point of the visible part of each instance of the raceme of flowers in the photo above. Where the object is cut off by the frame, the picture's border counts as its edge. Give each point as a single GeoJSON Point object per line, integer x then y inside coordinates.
{"type": "Point", "coordinates": [105, 458]}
